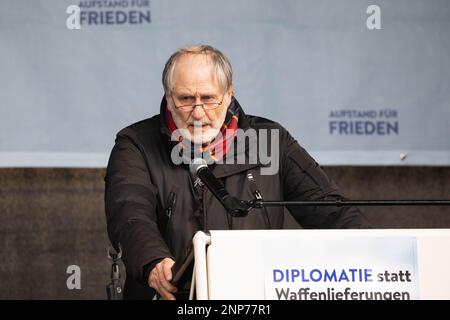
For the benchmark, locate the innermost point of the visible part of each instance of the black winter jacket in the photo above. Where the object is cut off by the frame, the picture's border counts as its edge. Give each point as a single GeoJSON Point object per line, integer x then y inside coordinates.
{"type": "Point", "coordinates": [153, 208]}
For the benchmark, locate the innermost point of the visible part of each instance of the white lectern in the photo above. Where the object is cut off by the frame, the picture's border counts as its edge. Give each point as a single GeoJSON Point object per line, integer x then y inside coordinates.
{"type": "Point", "coordinates": [323, 264]}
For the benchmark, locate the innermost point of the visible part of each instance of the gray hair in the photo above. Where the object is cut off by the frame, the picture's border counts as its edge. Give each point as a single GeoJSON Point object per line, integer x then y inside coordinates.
{"type": "Point", "coordinates": [223, 72]}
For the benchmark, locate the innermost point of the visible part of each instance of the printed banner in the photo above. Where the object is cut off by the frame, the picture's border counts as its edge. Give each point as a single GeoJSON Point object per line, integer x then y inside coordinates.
{"type": "Point", "coordinates": [347, 268]}
{"type": "Point", "coordinates": [356, 83]}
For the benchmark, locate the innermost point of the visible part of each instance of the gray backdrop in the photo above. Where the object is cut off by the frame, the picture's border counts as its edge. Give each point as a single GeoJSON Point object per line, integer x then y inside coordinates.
{"type": "Point", "coordinates": [349, 94]}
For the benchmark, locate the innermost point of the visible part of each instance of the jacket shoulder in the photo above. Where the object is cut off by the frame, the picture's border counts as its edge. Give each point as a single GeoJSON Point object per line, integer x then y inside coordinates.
{"type": "Point", "coordinates": [258, 123]}
{"type": "Point", "coordinates": [145, 128]}
{"type": "Point", "coordinates": [263, 123]}
{"type": "Point", "coordinates": [287, 143]}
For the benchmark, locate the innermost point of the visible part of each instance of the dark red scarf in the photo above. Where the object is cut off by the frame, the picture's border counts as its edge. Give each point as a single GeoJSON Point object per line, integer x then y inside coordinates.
{"type": "Point", "coordinates": [219, 146]}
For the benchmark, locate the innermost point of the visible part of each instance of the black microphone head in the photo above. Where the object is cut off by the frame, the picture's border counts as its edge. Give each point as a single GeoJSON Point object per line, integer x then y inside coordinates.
{"type": "Point", "coordinates": [196, 164]}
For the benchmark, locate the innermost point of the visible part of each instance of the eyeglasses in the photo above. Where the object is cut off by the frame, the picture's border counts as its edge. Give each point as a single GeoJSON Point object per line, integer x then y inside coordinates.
{"type": "Point", "coordinates": [188, 103]}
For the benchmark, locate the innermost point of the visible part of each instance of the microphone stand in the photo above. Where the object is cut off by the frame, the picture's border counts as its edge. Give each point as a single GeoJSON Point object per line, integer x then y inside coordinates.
{"type": "Point", "coordinates": [242, 207]}
{"type": "Point", "coordinates": [239, 208]}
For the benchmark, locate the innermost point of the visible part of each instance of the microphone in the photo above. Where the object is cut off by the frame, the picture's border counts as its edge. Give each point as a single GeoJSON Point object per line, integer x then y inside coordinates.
{"type": "Point", "coordinates": [235, 207]}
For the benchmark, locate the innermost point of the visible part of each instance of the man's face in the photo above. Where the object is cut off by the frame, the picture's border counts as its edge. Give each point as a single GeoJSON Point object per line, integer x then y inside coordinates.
{"type": "Point", "coordinates": [193, 79]}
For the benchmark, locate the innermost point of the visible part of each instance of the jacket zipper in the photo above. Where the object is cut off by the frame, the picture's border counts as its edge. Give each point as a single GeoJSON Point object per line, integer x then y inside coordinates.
{"type": "Point", "coordinates": [258, 196]}
{"type": "Point", "coordinates": [253, 186]}
{"type": "Point", "coordinates": [205, 216]}
{"type": "Point", "coordinates": [172, 200]}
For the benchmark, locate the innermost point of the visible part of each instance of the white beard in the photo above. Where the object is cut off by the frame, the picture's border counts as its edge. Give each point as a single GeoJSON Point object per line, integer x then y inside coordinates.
{"type": "Point", "coordinates": [200, 136]}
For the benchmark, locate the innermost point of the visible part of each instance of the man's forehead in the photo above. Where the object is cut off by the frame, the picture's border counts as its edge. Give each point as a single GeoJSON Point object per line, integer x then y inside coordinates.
{"type": "Point", "coordinates": [194, 58]}
{"type": "Point", "coordinates": [198, 90]}
{"type": "Point", "coordinates": [193, 73]}
{"type": "Point", "coordinates": [187, 64]}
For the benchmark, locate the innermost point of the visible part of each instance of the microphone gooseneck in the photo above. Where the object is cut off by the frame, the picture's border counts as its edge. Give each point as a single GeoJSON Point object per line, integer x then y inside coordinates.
{"type": "Point", "coordinates": [199, 168]}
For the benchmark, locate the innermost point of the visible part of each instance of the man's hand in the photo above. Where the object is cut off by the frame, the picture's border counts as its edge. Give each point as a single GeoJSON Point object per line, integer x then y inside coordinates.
{"type": "Point", "coordinates": [160, 277]}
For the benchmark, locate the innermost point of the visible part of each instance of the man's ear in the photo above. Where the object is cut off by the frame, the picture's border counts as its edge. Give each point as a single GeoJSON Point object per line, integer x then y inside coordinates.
{"type": "Point", "coordinates": [231, 91]}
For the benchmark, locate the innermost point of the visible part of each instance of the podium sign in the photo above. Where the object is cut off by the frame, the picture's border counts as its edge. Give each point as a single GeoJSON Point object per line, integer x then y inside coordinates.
{"type": "Point", "coordinates": [342, 268]}
{"type": "Point", "coordinates": [392, 264]}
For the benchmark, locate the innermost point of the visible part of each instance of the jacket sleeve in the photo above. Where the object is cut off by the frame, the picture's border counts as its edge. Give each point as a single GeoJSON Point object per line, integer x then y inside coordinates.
{"type": "Point", "coordinates": [303, 179]}
{"type": "Point", "coordinates": [130, 205]}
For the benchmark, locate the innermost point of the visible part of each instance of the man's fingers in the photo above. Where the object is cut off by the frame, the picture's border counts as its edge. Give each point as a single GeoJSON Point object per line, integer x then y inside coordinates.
{"type": "Point", "coordinates": [159, 279]}
{"type": "Point", "coordinates": [163, 292]}
{"type": "Point", "coordinates": [167, 268]}
{"type": "Point", "coordinates": [166, 272]}
{"type": "Point", "coordinates": [168, 286]}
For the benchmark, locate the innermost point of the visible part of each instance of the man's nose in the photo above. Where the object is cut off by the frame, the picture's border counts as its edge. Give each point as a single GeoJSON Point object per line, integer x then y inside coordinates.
{"type": "Point", "coordinates": [198, 112]}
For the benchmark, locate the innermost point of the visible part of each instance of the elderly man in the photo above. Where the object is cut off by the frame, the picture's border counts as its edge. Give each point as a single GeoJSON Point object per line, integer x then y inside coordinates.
{"type": "Point", "coordinates": [154, 205]}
